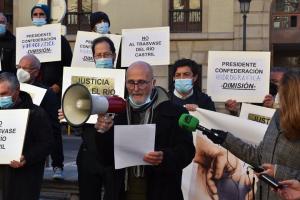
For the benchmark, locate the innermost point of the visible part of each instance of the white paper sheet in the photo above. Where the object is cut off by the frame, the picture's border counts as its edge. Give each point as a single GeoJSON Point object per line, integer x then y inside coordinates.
{"type": "Point", "coordinates": [37, 93]}
{"type": "Point", "coordinates": [131, 143]}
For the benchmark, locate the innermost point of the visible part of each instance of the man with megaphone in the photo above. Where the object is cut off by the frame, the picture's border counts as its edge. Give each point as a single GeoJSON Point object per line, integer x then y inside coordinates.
{"type": "Point", "coordinates": [78, 98]}
{"type": "Point", "coordinates": [174, 147]}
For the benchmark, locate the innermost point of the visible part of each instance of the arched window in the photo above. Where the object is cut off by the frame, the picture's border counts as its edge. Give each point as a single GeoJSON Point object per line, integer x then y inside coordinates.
{"type": "Point", "coordinates": [185, 16]}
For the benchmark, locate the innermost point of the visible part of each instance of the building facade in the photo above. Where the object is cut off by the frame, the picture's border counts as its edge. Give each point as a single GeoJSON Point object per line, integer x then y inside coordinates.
{"type": "Point", "coordinates": [197, 26]}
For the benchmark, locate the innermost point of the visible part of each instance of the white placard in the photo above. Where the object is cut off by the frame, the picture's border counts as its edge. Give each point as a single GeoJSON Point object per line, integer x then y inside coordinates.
{"type": "Point", "coordinates": [131, 143]}
{"type": "Point", "coordinates": [98, 81]}
{"type": "Point", "coordinates": [42, 41]}
{"type": "Point", "coordinates": [256, 113]}
{"type": "Point", "coordinates": [249, 131]}
{"type": "Point", "coordinates": [151, 45]}
{"type": "Point", "coordinates": [83, 55]}
{"type": "Point", "coordinates": [37, 93]}
{"type": "Point", "coordinates": [243, 76]}
{"type": "Point", "coordinates": [12, 134]}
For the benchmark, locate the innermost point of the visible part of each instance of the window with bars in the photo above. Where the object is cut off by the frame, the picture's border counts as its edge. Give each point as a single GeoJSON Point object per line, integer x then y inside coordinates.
{"type": "Point", "coordinates": [78, 15]}
{"type": "Point", "coordinates": [185, 16]}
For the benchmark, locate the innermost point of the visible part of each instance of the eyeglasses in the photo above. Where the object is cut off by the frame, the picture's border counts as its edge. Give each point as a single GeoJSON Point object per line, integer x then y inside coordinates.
{"type": "Point", "coordinates": [141, 84]}
{"type": "Point", "coordinates": [103, 55]}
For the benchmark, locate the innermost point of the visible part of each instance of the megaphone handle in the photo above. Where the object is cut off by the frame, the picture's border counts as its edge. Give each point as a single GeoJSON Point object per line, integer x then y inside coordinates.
{"type": "Point", "coordinates": [108, 116]}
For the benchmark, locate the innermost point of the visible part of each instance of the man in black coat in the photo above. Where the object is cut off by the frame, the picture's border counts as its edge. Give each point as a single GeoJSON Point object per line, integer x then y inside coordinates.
{"type": "Point", "coordinates": [23, 178]}
{"type": "Point", "coordinates": [7, 47]}
{"type": "Point", "coordinates": [28, 72]}
{"type": "Point", "coordinates": [174, 149]}
{"type": "Point", "coordinates": [185, 90]}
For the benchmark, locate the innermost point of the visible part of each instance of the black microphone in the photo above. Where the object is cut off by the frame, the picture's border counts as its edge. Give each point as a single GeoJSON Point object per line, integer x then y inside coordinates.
{"type": "Point", "coordinates": [191, 123]}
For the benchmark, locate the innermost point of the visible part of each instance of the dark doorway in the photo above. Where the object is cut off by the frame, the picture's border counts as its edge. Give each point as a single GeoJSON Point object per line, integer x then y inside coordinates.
{"type": "Point", "coordinates": [6, 6]}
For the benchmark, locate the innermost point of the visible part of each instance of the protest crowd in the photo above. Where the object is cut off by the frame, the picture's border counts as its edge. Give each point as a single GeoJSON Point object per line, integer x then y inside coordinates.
{"type": "Point", "coordinates": [142, 146]}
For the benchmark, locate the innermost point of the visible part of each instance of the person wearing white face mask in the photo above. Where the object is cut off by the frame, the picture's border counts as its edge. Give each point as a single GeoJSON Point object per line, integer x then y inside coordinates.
{"type": "Point", "coordinates": [28, 72]}
{"type": "Point", "coordinates": [185, 91]}
{"type": "Point", "coordinates": [7, 47]}
{"type": "Point", "coordinates": [51, 72]}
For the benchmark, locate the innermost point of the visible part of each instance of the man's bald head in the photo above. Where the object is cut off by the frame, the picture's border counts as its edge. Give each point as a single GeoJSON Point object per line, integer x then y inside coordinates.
{"type": "Point", "coordinates": [141, 66]}
{"type": "Point", "coordinates": [33, 60]}
{"type": "Point", "coordinates": [28, 69]}
{"type": "Point", "coordinates": [139, 82]}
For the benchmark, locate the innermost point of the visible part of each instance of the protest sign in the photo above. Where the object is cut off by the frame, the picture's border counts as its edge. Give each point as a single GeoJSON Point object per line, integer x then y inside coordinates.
{"type": "Point", "coordinates": [243, 76]}
{"type": "Point", "coordinates": [83, 56]}
{"type": "Point", "coordinates": [198, 179]}
{"type": "Point", "coordinates": [256, 113]}
{"type": "Point", "coordinates": [42, 41]}
{"type": "Point", "coordinates": [12, 134]}
{"type": "Point", "coordinates": [151, 45]}
{"type": "Point", "coordinates": [99, 81]}
{"type": "Point", "coordinates": [37, 93]}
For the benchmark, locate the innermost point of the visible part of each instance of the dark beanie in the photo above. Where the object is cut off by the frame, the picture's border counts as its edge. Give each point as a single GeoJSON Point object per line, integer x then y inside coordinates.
{"type": "Point", "coordinates": [97, 17]}
{"type": "Point", "coordinates": [46, 10]}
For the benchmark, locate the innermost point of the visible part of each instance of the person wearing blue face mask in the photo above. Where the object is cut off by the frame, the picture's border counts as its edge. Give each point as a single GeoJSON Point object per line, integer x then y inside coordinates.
{"type": "Point", "coordinates": [7, 47]}
{"type": "Point", "coordinates": [160, 179]}
{"type": "Point", "coordinates": [100, 22]}
{"type": "Point", "coordinates": [184, 90]}
{"type": "Point", "coordinates": [51, 72]}
{"type": "Point", "coordinates": [22, 179]}
{"type": "Point", "coordinates": [91, 172]}
{"type": "Point", "coordinates": [104, 52]}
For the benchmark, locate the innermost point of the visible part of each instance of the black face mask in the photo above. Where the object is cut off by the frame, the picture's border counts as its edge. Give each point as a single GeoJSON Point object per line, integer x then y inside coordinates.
{"type": "Point", "coordinates": [273, 89]}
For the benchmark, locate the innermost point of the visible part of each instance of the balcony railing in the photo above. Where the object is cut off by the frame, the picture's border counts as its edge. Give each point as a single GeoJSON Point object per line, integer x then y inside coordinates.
{"type": "Point", "coordinates": [185, 20]}
{"type": "Point", "coordinates": [77, 21]}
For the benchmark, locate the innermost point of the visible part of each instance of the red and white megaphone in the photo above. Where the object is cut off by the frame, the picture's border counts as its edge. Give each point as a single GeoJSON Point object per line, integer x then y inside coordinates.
{"type": "Point", "coordinates": [78, 104]}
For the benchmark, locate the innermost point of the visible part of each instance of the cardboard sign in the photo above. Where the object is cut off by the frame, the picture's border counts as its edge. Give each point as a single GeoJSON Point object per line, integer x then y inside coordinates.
{"type": "Point", "coordinates": [256, 113]}
{"type": "Point", "coordinates": [83, 55]}
{"type": "Point", "coordinates": [37, 93]}
{"type": "Point", "coordinates": [42, 41]}
{"type": "Point", "coordinates": [103, 82]}
{"type": "Point", "coordinates": [243, 76]}
{"type": "Point", "coordinates": [12, 134]}
{"type": "Point", "coordinates": [151, 45]}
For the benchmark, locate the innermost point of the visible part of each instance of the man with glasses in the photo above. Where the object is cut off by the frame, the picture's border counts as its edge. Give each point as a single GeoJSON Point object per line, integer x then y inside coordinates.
{"type": "Point", "coordinates": [90, 170]}
{"type": "Point", "coordinates": [28, 72]}
{"type": "Point", "coordinates": [174, 147]}
{"type": "Point", "coordinates": [104, 52]}
{"type": "Point", "coordinates": [7, 47]}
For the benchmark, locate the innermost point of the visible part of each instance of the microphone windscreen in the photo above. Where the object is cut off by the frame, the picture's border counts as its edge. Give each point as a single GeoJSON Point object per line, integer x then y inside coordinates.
{"type": "Point", "coordinates": [188, 122]}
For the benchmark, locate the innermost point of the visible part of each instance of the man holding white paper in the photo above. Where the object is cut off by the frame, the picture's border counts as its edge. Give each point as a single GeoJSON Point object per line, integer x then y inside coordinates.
{"type": "Point", "coordinates": [28, 71]}
{"type": "Point", "coordinates": [173, 149]}
{"type": "Point", "coordinates": [23, 178]}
